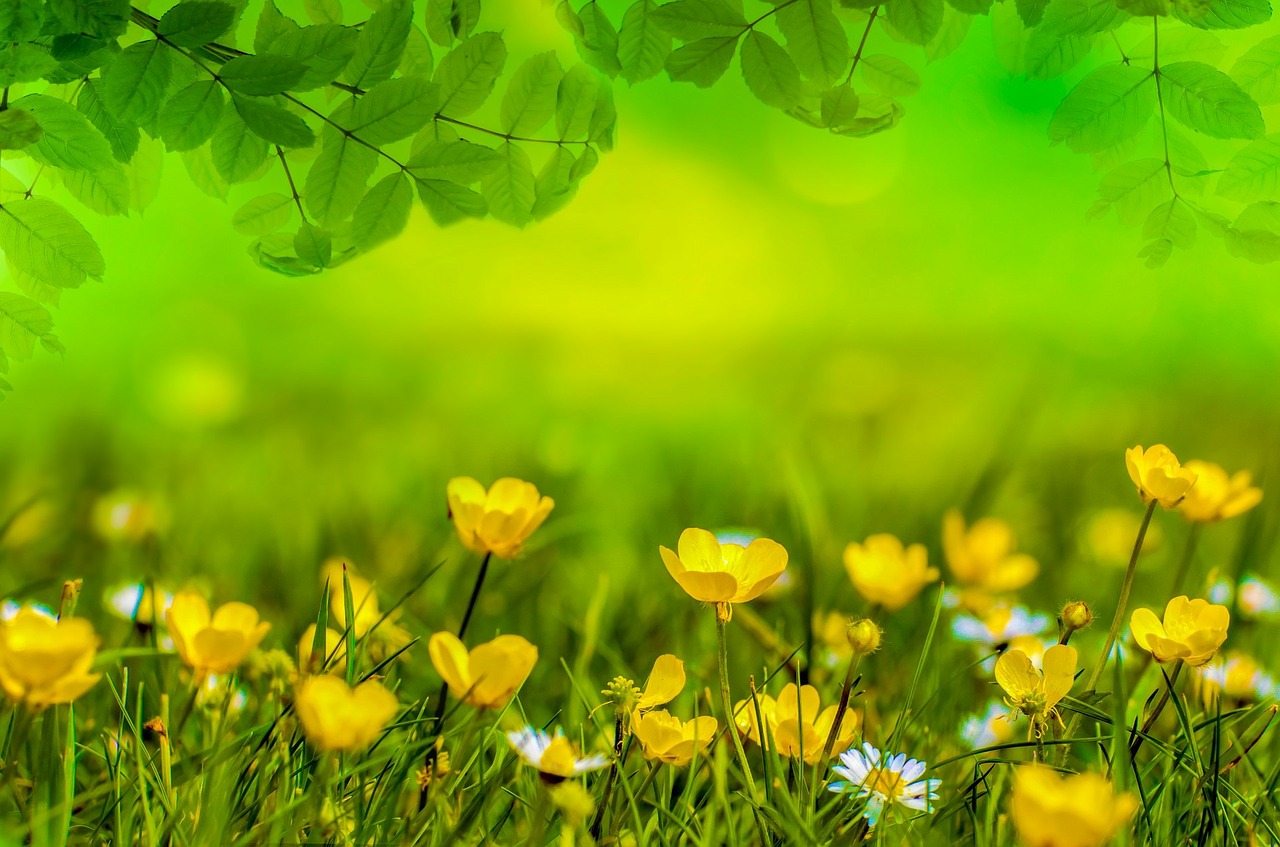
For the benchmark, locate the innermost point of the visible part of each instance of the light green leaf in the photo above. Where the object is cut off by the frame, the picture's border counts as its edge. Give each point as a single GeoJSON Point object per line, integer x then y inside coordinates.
{"type": "Point", "coordinates": [237, 152]}
{"type": "Point", "coordinates": [604, 117]}
{"type": "Point", "coordinates": [271, 25]}
{"type": "Point", "coordinates": [394, 109]}
{"type": "Point", "coordinates": [1253, 173]}
{"type": "Point", "coordinates": [917, 20]}
{"type": "Point", "coordinates": [382, 213]}
{"type": "Point", "coordinates": [971, 7]}
{"type": "Point", "coordinates": [1173, 222]}
{"type": "Point", "coordinates": [1255, 235]}
{"type": "Point", "coordinates": [1156, 253]}
{"type": "Point", "coordinates": [1106, 107]}
{"type": "Point", "coordinates": [70, 141]}
{"type": "Point", "coordinates": [324, 50]}
{"type": "Point", "coordinates": [23, 322]}
{"type": "Point", "coordinates": [123, 137]}
{"type": "Point", "coordinates": [876, 113]}
{"type": "Point", "coordinates": [203, 173]}
{"type": "Point", "coordinates": [134, 85]}
{"type": "Point", "coordinates": [262, 215]}
{"type": "Point", "coordinates": [196, 22]}
{"type": "Point", "coordinates": [509, 188]}
{"type": "Point", "coordinates": [313, 245]}
{"type": "Point", "coordinates": [261, 76]}
{"type": "Point", "coordinates": [838, 107]}
{"type": "Point", "coordinates": [1132, 188]}
{"type": "Point", "coordinates": [46, 241]}
{"type": "Point", "coordinates": [1258, 71]}
{"type": "Point", "coordinates": [448, 202]}
{"type": "Point", "coordinates": [1050, 54]}
{"type": "Point", "coordinates": [702, 62]}
{"type": "Point", "coordinates": [272, 122]}
{"type": "Point", "coordinates": [461, 162]}
{"type": "Point", "coordinates": [417, 59]}
{"type": "Point", "coordinates": [584, 166]}
{"type": "Point", "coordinates": [530, 100]}
{"type": "Point", "coordinates": [769, 71]}
{"type": "Point", "coordinates": [890, 75]}
{"type": "Point", "coordinates": [324, 11]}
{"type": "Point", "coordinates": [1229, 14]}
{"type": "Point", "coordinates": [1205, 99]}
{"type": "Point", "coordinates": [191, 116]}
{"type": "Point", "coordinates": [467, 74]}
{"type": "Point", "coordinates": [338, 178]}
{"type": "Point", "coordinates": [691, 20]}
{"type": "Point", "coordinates": [1031, 11]}
{"type": "Point", "coordinates": [450, 20]}
{"type": "Point", "coordinates": [576, 99]}
{"type": "Point", "coordinates": [143, 173]}
{"type": "Point", "coordinates": [105, 191]}
{"type": "Point", "coordinates": [381, 44]}
{"type": "Point", "coordinates": [815, 38]}
{"type": "Point", "coordinates": [1082, 17]}
{"type": "Point", "coordinates": [598, 41]}
{"type": "Point", "coordinates": [643, 45]}
{"type": "Point", "coordinates": [955, 26]}
{"type": "Point", "coordinates": [18, 128]}
{"type": "Point", "coordinates": [554, 187]}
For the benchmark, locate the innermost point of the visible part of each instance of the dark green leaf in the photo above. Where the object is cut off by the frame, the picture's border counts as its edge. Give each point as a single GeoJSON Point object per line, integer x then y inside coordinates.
{"type": "Point", "coordinates": [18, 128]}
{"type": "Point", "coordinates": [1253, 173]}
{"type": "Point", "coordinates": [1258, 71]}
{"type": "Point", "coordinates": [70, 141]}
{"type": "Point", "coordinates": [450, 20]}
{"type": "Point", "coordinates": [702, 62]}
{"type": "Point", "coordinates": [46, 241]}
{"type": "Point", "coordinates": [467, 74]}
{"type": "Point", "coordinates": [690, 20]}
{"type": "Point", "coordinates": [338, 178]}
{"type": "Point", "coordinates": [530, 100]}
{"type": "Point", "coordinates": [325, 49]}
{"type": "Point", "coordinates": [382, 213]}
{"type": "Point", "coordinates": [381, 44]}
{"type": "Point", "coordinates": [576, 100]}
{"type": "Point", "coordinates": [454, 161]}
{"type": "Point", "coordinates": [449, 202]}
{"type": "Point", "coordinates": [394, 109]}
{"type": "Point", "coordinates": [769, 71]}
{"type": "Point", "coordinates": [917, 20]}
{"type": "Point", "coordinates": [643, 45]}
{"type": "Point", "coordinates": [102, 18]}
{"type": "Point", "coordinates": [1205, 99]}
{"type": "Point", "coordinates": [815, 38]}
{"type": "Point", "coordinates": [20, 20]}
{"type": "Point", "coordinates": [123, 137]}
{"type": "Point", "coordinates": [196, 22]}
{"type": "Point", "coordinates": [271, 26]}
{"type": "Point", "coordinates": [1082, 17]}
{"type": "Point", "coordinates": [509, 188]}
{"type": "Point", "coordinates": [21, 63]}
{"type": "Point", "coordinates": [553, 187]}
{"type": "Point", "coordinates": [971, 7]}
{"type": "Point", "coordinates": [272, 122]}
{"type": "Point", "coordinates": [1229, 14]}
{"type": "Point", "coordinates": [1109, 105]}
{"type": "Point", "coordinates": [134, 85]}
{"type": "Point", "coordinates": [191, 116]}
{"type": "Point", "coordinates": [261, 76]}
{"type": "Point", "coordinates": [598, 43]}
{"type": "Point", "coordinates": [838, 106]}
{"type": "Point", "coordinates": [1031, 11]}
{"type": "Point", "coordinates": [237, 152]}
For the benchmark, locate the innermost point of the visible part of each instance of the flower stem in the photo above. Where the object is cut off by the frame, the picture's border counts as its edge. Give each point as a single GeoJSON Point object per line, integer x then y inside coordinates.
{"type": "Point", "coordinates": [834, 732]}
{"type": "Point", "coordinates": [1184, 564]}
{"type": "Point", "coordinates": [597, 824]}
{"type": "Point", "coordinates": [727, 704]}
{"type": "Point", "coordinates": [1169, 681]}
{"type": "Point", "coordinates": [1122, 605]}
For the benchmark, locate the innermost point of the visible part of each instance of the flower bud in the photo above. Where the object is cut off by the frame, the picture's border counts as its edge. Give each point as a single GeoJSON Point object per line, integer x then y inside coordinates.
{"type": "Point", "coordinates": [574, 802]}
{"type": "Point", "coordinates": [864, 636]}
{"type": "Point", "coordinates": [1075, 615]}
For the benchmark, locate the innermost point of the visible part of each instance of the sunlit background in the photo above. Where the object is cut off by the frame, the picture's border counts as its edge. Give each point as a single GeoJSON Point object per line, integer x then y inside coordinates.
{"type": "Point", "coordinates": [738, 321]}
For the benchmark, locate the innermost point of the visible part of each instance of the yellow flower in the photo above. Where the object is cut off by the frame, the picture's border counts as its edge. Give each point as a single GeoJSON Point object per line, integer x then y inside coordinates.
{"type": "Point", "coordinates": [1037, 693]}
{"type": "Point", "coordinates": [831, 631]}
{"type": "Point", "coordinates": [364, 605]}
{"type": "Point", "coordinates": [43, 661]}
{"type": "Point", "coordinates": [723, 573]}
{"type": "Point", "coordinates": [497, 521]}
{"type": "Point", "coordinates": [489, 675]}
{"type": "Point", "coordinates": [797, 723]}
{"type": "Point", "coordinates": [125, 515]}
{"type": "Point", "coordinates": [982, 556]}
{"type": "Point", "coordinates": [1081, 810]}
{"type": "Point", "coordinates": [1217, 496]}
{"type": "Point", "coordinates": [1237, 677]}
{"type": "Point", "coordinates": [665, 681]}
{"type": "Point", "coordinates": [1158, 475]}
{"type": "Point", "coordinates": [1109, 536]}
{"type": "Point", "coordinates": [1192, 630]}
{"type": "Point", "coordinates": [215, 643]}
{"type": "Point", "coordinates": [337, 717]}
{"type": "Point", "coordinates": [333, 659]}
{"type": "Point", "coordinates": [553, 755]}
{"type": "Point", "coordinates": [886, 573]}
{"type": "Point", "coordinates": [671, 740]}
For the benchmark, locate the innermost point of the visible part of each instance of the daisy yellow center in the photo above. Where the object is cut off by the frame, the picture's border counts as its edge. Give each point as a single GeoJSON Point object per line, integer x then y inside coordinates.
{"type": "Point", "coordinates": [886, 782]}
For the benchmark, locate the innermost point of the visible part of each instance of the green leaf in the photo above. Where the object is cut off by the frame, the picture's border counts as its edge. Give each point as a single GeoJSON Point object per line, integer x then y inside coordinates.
{"type": "Point", "coordinates": [1258, 71]}
{"type": "Point", "coordinates": [691, 20]}
{"type": "Point", "coordinates": [509, 188]}
{"type": "Point", "coordinates": [876, 113]}
{"type": "Point", "coordinates": [18, 128]}
{"type": "Point", "coordinates": [1132, 188]}
{"type": "Point", "coordinates": [46, 241]}
{"type": "Point", "coordinates": [271, 26]}
{"type": "Point", "coordinates": [554, 186]}
{"type": "Point", "coordinates": [237, 152]}
{"type": "Point", "coordinates": [890, 75]}
{"type": "Point", "coordinates": [143, 174]}
{"type": "Point", "coordinates": [448, 202]}
{"type": "Point", "coordinates": [917, 20]}
{"type": "Point", "coordinates": [1205, 99]}
{"type": "Point", "coordinates": [1107, 106]}
{"type": "Point", "coordinates": [1156, 253]}
{"type": "Point", "coordinates": [450, 20]}
{"type": "Point", "coordinates": [262, 215]}
{"type": "Point", "coordinates": [467, 74]}
{"type": "Point", "coordinates": [381, 44]}
{"type": "Point", "coordinates": [1228, 14]}
{"type": "Point", "coordinates": [196, 22]}
{"type": "Point", "coordinates": [815, 38]}
{"type": "Point", "coordinates": [971, 7]}
{"type": "Point", "coordinates": [272, 122]}
{"type": "Point", "coordinates": [702, 62]}
{"type": "Point", "coordinates": [324, 11]}
{"type": "Point", "coordinates": [643, 45]}
{"type": "Point", "coordinates": [604, 117]}
{"type": "Point", "coordinates": [23, 322]}
{"type": "Point", "coordinates": [383, 212]}
{"type": "Point", "coordinates": [1031, 11]}
{"type": "Point", "coordinates": [584, 166]}
{"type": "Point", "coordinates": [769, 71]}
{"type": "Point", "coordinates": [838, 106]}
{"type": "Point", "coordinates": [134, 85]}
{"type": "Point", "coordinates": [21, 63]}
{"type": "Point", "coordinates": [338, 178]}
{"type": "Point", "coordinates": [530, 100]}
{"type": "Point", "coordinates": [1083, 17]}
{"type": "Point", "coordinates": [105, 191]}
{"type": "Point", "coordinates": [454, 161]}
{"type": "Point", "coordinates": [191, 116]}
{"type": "Point", "coordinates": [417, 59]}
{"type": "Point", "coordinates": [576, 102]}
{"type": "Point", "coordinates": [101, 18]}
{"type": "Point", "coordinates": [1173, 222]}
{"type": "Point", "coordinates": [1050, 54]}
{"type": "Point", "coordinates": [262, 75]}
{"type": "Point", "coordinates": [20, 20]}
{"type": "Point", "coordinates": [394, 109]}
{"type": "Point", "coordinates": [70, 141]}
{"type": "Point", "coordinates": [598, 41]}
{"type": "Point", "coordinates": [1255, 235]}
{"type": "Point", "coordinates": [1253, 173]}
{"type": "Point", "coordinates": [315, 247]}
{"type": "Point", "coordinates": [123, 137]}
{"type": "Point", "coordinates": [323, 49]}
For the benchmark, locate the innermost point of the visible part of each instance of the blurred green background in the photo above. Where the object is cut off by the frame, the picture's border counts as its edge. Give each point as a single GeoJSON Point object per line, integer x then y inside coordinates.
{"type": "Point", "coordinates": [738, 321]}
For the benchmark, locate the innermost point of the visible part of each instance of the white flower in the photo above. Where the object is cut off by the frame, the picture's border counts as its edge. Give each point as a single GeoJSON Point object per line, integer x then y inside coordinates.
{"type": "Point", "coordinates": [552, 755]}
{"type": "Point", "coordinates": [999, 626]}
{"type": "Point", "coordinates": [884, 781]}
{"type": "Point", "coordinates": [988, 729]}
{"type": "Point", "coordinates": [10, 608]}
{"type": "Point", "coordinates": [1258, 598]}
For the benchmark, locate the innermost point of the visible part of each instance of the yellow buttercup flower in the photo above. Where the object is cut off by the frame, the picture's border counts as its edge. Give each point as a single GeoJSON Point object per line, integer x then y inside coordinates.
{"type": "Point", "coordinates": [797, 723]}
{"type": "Point", "coordinates": [337, 717]}
{"type": "Point", "coordinates": [887, 573]}
{"type": "Point", "coordinates": [1082, 810]}
{"type": "Point", "coordinates": [723, 573]}
{"type": "Point", "coordinates": [1037, 693]}
{"type": "Point", "coordinates": [982, 555]}
{"type": "Point", "coordinates": [45, 662]}
{"type": "Point", "coordinates": [1192, 630]}
{"type": "Point", "coordinates": [497, 521]}
{"type": "Point", "coordinates": [1109, 536]}
{"type": "Point", "coordinates": [215, 643]}
{"type": "Point", "coordinates": [668, 739]}
{"type": "Point", "coordinates": [1158, 476]}
{"type": "Point", "coordinates": [554, 757]}
{"type": "Point", "coordinates": [334, 653]}
{"type": "Point", "coordinates": [1216, 495]}
{"type": "Point", "coordinates": [665, 681]}
{"type": "Point", "coordinates": [487, 676]}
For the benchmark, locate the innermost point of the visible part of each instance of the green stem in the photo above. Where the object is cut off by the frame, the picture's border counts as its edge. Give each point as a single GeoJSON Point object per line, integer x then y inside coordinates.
{"type": "Point", "coordinates": [1184, 564]}
{"type": "Point", "coordinates": [834, 732]}
{"type": "Point", "coordinates": [1122, 605]}
{"type": "Point", "coordinates": [727, 704]}
{"type": "Point", "coordinates": [597, 824]}
{"type": "Point", "coordinates": [1150, 721]}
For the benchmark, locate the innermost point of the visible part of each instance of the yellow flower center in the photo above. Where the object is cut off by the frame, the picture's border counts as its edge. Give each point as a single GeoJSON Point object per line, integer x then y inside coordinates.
{"type": "Point", "coordinates": [886, 782]}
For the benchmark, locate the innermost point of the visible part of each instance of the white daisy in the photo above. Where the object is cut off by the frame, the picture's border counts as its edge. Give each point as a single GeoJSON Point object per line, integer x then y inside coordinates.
{"type": "Point", "coordinates": [1258, 598]}
{"type": "Point", "coordinates": [884, 781]}
{"type": "Point", "coordinates": [998, 627]}
{"type": "Point", "coordinates": [552, 755]}
{"type": "Point", "coordinates": [9, 610]}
